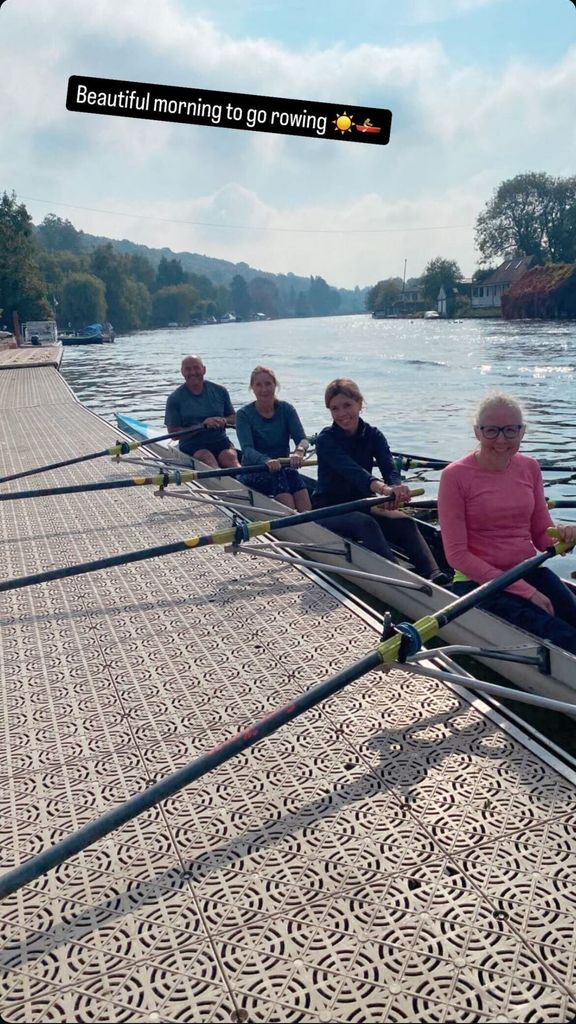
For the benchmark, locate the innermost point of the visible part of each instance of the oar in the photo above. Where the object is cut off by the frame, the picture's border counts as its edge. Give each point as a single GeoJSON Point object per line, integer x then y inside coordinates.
{"type": "Point", "coordinates": [387, 652]}
{"type": "Point", "coordinates": [423, 461]}
{"type": "Point", "coordinates": [558, 503]}
{"type": "Point", "coordinates": [232, 535]}
{"type": "Point", "coordinates": [120, 448]}
{"type": "Point", "coordinates": [160, 480]}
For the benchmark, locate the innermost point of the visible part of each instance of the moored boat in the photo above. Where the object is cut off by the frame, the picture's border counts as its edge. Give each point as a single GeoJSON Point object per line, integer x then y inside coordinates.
{"type": "Point", "coordinates": [553, 672]}
{"type": "Point", "coordinates": [40, 332]}
{"type": "Point", "coordinates": [94, 334]}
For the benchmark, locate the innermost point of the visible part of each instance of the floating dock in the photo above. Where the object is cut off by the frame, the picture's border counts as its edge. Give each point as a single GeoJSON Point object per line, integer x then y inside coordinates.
{"type": "Point", "coordinates": [30, 356]}
{"type": "Point", "coordinates": [398, 854]}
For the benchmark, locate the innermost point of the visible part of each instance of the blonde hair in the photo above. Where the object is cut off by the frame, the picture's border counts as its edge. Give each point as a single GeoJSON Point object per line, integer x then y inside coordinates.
{"type": "Point", "coordinates": [343, 386]}
{"type": "Point", "coordinates": [263, 369]}
{"type": "Point", "coordinates": [494, 398]}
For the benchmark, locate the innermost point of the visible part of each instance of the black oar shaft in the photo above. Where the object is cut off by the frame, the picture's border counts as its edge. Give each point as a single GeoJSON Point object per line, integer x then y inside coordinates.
{"type": "Point", "coordinates": [468, 601]}
{"type": "Point", "coordinates": [316, 515]}
{"type": "Point", "coordinates": [96, 565]}
{"type": "Point", "coordinates": [160, 480]}
{"type": "Point", "coordinates": [111, 820]}
{"type": "Point", "coordinates": [421, 460]}
{"type": "Point", "coordinates": [52, 465]}
{"type": "Point", "coordinates": [432, 463]}
{"type": "Point", "coordinates": [121, 448]}
{"type": "Point", "coordinates": [243, 532]}
{"type": "Point", "coordinates": [44, 492]}
{"type": "Point", "coordinates": [552, 503]}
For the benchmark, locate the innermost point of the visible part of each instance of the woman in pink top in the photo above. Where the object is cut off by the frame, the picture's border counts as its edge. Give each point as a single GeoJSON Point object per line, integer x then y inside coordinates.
{"type": "Point", "coordinates": [493, 515]}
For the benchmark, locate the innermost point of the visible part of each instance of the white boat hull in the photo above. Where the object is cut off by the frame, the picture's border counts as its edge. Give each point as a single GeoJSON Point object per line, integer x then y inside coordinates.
{"type": "Point", "coordinates": [475, 628]}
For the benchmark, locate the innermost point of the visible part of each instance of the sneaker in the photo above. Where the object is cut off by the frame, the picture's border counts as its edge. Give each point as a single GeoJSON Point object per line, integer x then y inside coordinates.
{"type": "Point", "coordinates": [440, 578]}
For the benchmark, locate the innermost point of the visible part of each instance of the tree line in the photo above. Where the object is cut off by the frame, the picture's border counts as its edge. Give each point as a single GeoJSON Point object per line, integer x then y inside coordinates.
{"type": "Point", "coordinates": [47, 271]}
{"type": "Point", "coordinates": [530, 215]}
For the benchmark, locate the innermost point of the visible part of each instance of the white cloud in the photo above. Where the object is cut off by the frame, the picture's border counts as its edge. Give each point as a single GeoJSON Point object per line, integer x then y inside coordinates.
{"type": "Point", "coordinates": [457, 132]}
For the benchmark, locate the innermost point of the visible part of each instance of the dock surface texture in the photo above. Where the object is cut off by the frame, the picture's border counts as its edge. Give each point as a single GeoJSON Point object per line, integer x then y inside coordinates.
{"type": "Point", "coordinates": [30, 356]}
{"type": "Point", "coordinates": [392, 856]}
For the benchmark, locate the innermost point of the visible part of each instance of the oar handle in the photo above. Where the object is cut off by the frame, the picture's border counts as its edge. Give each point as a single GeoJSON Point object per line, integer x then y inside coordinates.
{"type": "Point", "coordinates": [286, 462]}
{"type": "Point", "coordinates": [562, 546]}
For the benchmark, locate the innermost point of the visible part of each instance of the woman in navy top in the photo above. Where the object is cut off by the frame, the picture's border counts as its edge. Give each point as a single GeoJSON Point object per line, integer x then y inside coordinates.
{"type": "Point", "coordinates": [346, 454]}
{"type": "Point", "coordinates": [264, 430]}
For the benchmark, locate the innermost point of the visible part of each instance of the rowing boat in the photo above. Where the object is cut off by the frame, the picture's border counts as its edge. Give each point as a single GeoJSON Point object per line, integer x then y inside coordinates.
{"type": "Point", "coordinates": [396, 586]}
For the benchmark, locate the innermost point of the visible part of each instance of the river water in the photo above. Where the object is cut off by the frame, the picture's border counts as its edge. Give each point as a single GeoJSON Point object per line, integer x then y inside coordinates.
{"type": "Point", "coordinates": [421, 380]}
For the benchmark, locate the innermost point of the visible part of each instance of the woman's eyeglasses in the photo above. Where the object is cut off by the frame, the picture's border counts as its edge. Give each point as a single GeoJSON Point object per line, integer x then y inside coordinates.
{"type": "Point", "coordinates": [511, 431]}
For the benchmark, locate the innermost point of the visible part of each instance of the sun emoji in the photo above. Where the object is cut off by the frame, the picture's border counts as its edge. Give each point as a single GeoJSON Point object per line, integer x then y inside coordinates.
{"type": "Point", "coordinates": [343, 123]}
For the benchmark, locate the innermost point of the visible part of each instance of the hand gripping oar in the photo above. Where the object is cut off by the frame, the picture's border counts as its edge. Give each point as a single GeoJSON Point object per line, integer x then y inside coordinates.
{"type": "Point", "coordinates": [159, 480]}
{"type": "Point", "coordinates": [387, 652]}
{"type": "Point", "coordinates": [233, 535]}
{"type": "Point", "coordinates": [120, 448]}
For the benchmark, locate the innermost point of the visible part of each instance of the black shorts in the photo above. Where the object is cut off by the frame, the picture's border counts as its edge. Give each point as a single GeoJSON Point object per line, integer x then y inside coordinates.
{"type": "Point", "coordinates": [216, 446]}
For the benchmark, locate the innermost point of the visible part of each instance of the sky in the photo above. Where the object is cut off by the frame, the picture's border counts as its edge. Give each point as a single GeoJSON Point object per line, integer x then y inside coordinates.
{"type": "Point", "coordinates": [480, 90]}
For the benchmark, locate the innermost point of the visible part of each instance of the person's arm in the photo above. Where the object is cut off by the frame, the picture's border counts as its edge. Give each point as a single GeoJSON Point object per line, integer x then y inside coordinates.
{"type": "Point", "coordinates": [452, 516]}
{"type": "Point", "coordinates": [251, 456]}
{"type": "Point", "coordinates": [228, 419]}
{"type": "Point", "coordinates": [296, 432]}
{"type": "Point", "coordinates": [341, 464]}
{"type": "Point", "coordinates": [383, 459]}
{"type": "Point", "coordinates": [173, 416]}
{"type": "Point", "coordinates": [541, 518]}
{"type": "Point", "coordinates": [390, 475]}
{"type": "Point", "coordinates": [229, 413]}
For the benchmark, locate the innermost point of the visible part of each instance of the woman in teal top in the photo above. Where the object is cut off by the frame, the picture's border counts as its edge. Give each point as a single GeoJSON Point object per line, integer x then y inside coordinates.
{"type": "Point", "coordinates": [264, 430]}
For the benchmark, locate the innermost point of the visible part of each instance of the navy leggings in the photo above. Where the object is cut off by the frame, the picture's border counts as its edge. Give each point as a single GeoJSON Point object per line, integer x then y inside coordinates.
{"type": "Point", "coordinates": [376, 534]}
{"type": "Point", "coordinates": [559, 628]}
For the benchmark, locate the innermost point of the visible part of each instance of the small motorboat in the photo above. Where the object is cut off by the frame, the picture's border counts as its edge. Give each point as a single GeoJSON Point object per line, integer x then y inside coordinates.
{"type": "Point", "coordinates": [94, 334]}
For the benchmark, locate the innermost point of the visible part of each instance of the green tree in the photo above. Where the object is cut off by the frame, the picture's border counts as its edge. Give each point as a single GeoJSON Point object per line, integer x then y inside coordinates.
{"type": "Point", "coordinates": [127, 300]}
{"type": "Point", "coordinates": [302, 304]}
{"type": "Point", "coordinates": [222, 300]}
{"type": "Point", "coordinates": [384, 294]}
{"type": "Point", "coordinates": [58, 235]}
{"type": "Point", "coordinates": [22, 289]}
{"type": "Point", "coordinates": [530, 215]}
{"type": "Point", "coordinates": [437, 273]}
{"type": "Point", "coordinates": [142, 270]}
{"type": "Point", "coordinates": [56, 267]}
{"type": "Point", "coordinates": [137, 306]}
{"type": "Point", "coordinates": [240, 297]}
{"type": "Point", "coordinates": [83, 301]}
{"type": "Point", "coordinates": [264, 296]}
{"type": "Point", "coordinates": [174, 304]}
{"type": "Point", "coordinates": [170, 272]}
{"type": "Point", "coordinates": [323, 299]}
{"type": "Point", "coordinates": [560, 220]}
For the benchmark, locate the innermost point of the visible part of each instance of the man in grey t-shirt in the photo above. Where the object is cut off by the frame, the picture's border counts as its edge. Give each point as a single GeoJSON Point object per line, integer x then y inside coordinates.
{"type": "Point", "coordinates": [203, 404]}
